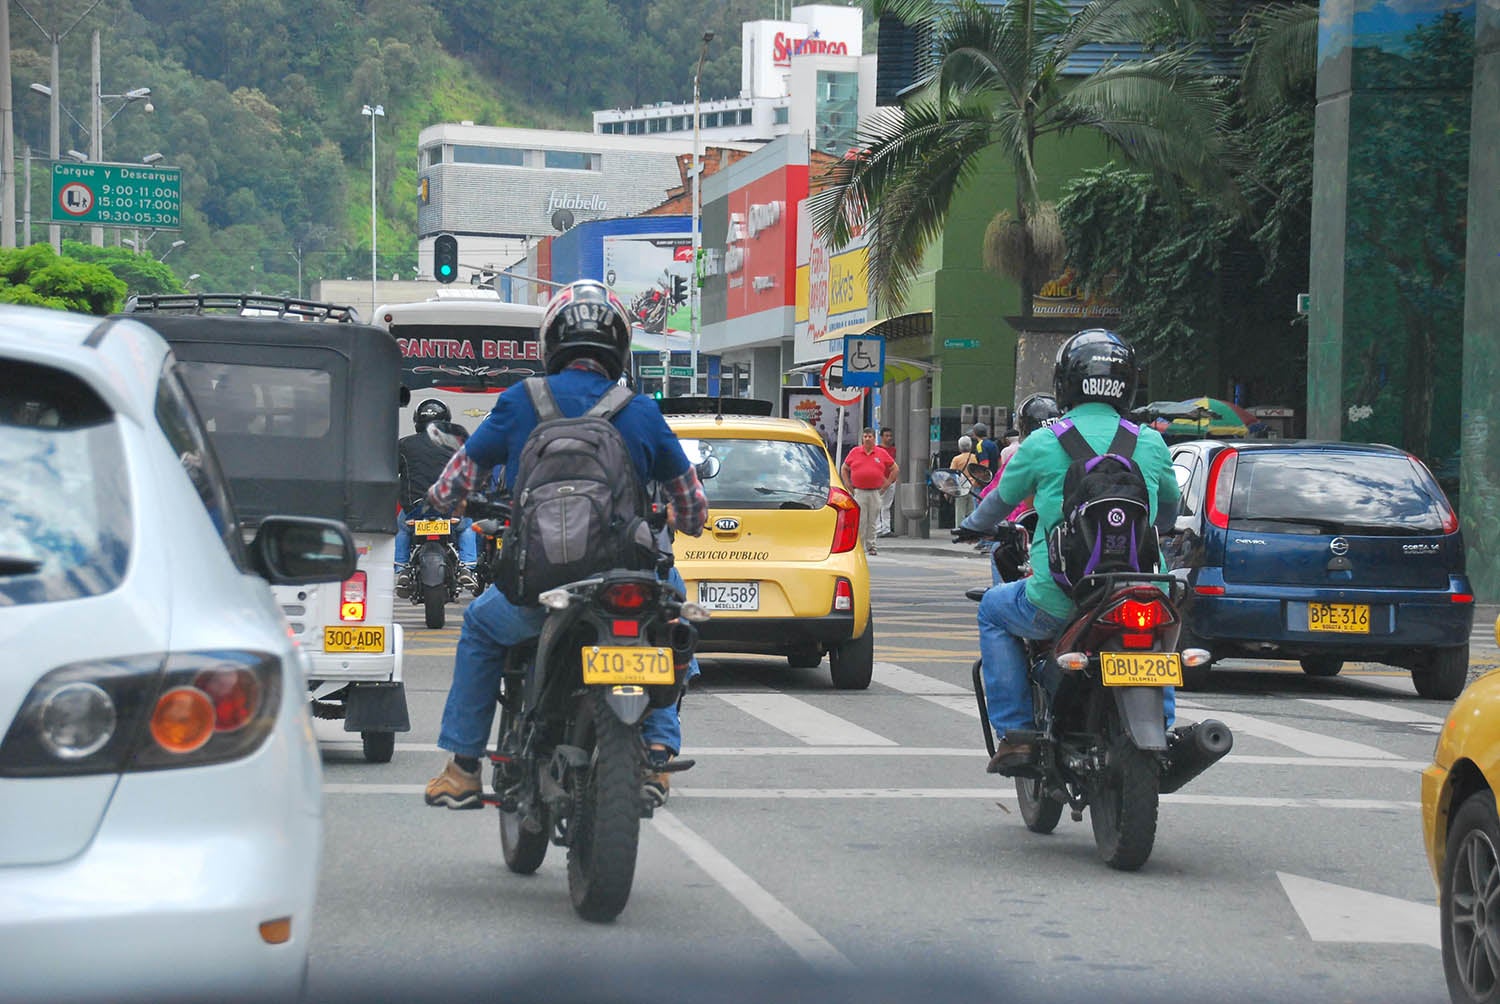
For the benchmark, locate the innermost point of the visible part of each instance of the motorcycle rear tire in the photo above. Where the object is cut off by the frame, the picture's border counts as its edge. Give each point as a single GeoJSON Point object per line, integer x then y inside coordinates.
{"type": "Point", "coordinates": [1040, 812]}
{"type": "Point", "coordinates": [606, 825]}
{"type": "Point", "coordinates": [434, 598]}
{"type": "Point", "coordinates": [523, 847]}
{"type": "Point", "coordinates": [1123, 799]}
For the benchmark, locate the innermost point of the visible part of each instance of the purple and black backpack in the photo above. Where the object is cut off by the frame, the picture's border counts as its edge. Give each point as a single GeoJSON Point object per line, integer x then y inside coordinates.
{"type": "Point", "coordinates": [1106, 525]}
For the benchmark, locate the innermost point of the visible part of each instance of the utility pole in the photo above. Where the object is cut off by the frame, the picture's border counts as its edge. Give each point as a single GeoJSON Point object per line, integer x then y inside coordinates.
{"type": "Point", "coordinates": [96, 129]}
{"type": "Point", "coordinates": [7, 136]}
{"type": "Point", "coordinates": [693, 298]}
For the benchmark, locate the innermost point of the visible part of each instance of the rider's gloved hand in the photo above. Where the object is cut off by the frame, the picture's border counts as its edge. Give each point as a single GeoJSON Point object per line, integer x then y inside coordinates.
{"type": "Point", "coordinates": [962, 535]}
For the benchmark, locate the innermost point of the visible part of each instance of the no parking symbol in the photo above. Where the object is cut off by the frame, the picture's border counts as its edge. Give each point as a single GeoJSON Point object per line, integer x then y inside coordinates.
{"type": "Point", "coordinates": [76, 198]}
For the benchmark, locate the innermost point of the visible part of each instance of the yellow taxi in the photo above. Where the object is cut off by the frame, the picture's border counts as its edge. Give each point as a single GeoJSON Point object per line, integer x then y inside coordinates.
{"type": "Point", "coordinates": [780, 563]}
{"type": "Point", "coordinates": [1461, 828]}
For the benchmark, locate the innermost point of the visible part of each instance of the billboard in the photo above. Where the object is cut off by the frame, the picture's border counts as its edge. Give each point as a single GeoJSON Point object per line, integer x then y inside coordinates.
{"type": "Point", "coordinates": [833, 291]}
{"type": "Point", "coordinates": [652, 273]}
{"type": "Point", "coordinates": [757, 260]}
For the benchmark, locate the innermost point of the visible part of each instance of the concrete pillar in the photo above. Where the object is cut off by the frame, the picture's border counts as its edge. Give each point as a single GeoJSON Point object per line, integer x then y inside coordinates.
{"type": "Point", "coordinates": [1390, 178]}
{"type": "Point", "coordinates": [919, 408]}
{"type": "Point", "coordinates": [894, 415]}
{"type": "Point", "coordinates": [1480, 421]}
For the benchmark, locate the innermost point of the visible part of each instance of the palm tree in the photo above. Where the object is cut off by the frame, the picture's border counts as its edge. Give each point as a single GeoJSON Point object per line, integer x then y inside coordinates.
{"type": "Point", "coordinates": [998, 83]}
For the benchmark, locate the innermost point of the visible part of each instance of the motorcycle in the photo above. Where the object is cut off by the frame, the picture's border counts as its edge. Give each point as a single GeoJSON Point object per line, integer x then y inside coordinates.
{"type": "Point", "coordinates": [1100, 736]}
{"type": "Point", "coordinates": [570, 762]}
{"type": "Point", "coordinates": [491, 517]}
{"type": "Point", "coordinates": [432, 577]}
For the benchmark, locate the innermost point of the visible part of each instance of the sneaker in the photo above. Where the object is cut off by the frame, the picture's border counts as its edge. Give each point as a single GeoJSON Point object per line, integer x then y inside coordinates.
{"type": "Point", "coordinates": [870, 549]}
{"type": "Point", "coordinates": [468, 579]}
{"type": "Point", "coordinates": [455, 788]}
{"type": "Point", "coordinates": [657, 786]}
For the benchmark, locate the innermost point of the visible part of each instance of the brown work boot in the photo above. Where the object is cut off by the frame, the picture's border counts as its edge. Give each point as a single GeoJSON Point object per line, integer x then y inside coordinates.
{"type": "Point", "coordinates": [658, 785]}
{"type": "Point", "coordinates": [455, 788]}
{"type": "Point", "coordinates": [1009, 755]}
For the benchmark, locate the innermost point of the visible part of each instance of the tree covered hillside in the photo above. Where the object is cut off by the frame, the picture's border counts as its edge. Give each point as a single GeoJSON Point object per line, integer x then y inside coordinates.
{"type": "Point", "coordinates": [258, 101]}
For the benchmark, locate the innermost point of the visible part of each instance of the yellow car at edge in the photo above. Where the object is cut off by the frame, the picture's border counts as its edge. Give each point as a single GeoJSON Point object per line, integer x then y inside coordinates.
{"type": "Point", "coordinates": [1461, 828]}
{"type": "Point", "coordinates": [780, 563]}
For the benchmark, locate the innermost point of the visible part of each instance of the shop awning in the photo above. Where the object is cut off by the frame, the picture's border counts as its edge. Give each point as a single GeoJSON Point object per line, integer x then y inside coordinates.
{"type": "Point", "coordinates": [914, 325]}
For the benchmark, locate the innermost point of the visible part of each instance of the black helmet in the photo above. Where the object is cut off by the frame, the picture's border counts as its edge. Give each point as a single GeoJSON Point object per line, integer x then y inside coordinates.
{"type": "Point", "coordinates": [1037, 411]}
{"type": "Point", "coordinates": [430, 410]}
{"type": "Point", "coordinates": [586, 320]}
{"type": "Point", "coordinates": [1095, 365]}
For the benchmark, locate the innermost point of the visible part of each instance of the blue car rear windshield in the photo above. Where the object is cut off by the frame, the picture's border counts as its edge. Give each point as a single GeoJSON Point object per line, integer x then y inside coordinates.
{"type": "Point", "coordinates": [65, 494]}
{"type": "Point", "coordinates": [1375, 493]}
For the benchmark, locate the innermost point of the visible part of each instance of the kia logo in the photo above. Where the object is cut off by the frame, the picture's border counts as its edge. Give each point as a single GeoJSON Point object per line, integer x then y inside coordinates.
{"type": "Point", "coordinates": [1338, 545]}
{"type": "Point", "coordinates": [726, 523]}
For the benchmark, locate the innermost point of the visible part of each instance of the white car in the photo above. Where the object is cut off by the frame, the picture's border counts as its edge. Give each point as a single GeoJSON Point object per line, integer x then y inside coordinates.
{"type": "Point", "coordinates": [160, 786]}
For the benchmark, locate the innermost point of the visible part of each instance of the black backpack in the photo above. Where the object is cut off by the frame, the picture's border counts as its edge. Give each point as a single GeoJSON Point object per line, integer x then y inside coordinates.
{"type": "Point", "coordinates": [1106, 525]}
{"type": "Point", "coordinates": [578, 506]}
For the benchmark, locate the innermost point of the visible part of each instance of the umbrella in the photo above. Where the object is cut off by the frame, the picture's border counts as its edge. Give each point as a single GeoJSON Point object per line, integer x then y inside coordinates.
{"type": "Point", "coordinates": [1211, 417]}
{"type": "Point", "coordinates": [1150, 413]}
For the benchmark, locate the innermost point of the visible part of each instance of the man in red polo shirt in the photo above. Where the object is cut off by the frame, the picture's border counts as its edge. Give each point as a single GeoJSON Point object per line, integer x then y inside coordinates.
{"type": "Point", "coordinates": [868, 470]}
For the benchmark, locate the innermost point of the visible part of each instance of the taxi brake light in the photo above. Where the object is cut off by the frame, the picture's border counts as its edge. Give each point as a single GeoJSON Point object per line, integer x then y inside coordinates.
{"type": "Point", "coordinates": [846, 524]}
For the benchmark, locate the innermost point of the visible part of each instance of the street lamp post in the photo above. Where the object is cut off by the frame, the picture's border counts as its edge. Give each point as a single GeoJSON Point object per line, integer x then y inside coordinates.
{"type": "Point", "coordinates": [297, 254]}
{"type": "Point", "coordinates": [697, 168]}
{"type": "Point", "coordinates": [175, 245]}
{"type": "Point", "coordinates": [374, 297]}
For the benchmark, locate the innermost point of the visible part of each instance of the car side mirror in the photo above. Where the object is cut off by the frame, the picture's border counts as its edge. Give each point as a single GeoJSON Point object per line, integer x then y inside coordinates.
{"type": "Point", "coordinates": [707, 468]}
{"type": "Point", "coordinates": [300, 550]}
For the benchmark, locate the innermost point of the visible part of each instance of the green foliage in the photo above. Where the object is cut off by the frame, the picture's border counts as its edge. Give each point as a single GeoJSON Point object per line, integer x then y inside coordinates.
{"type": "Point", "coordinates": [37, 277]}
{"type": "Point", "coordinates": [141, 273]}
{"type": "Point", "coordinates": [999, 84]}
{"type": "Point", "coordinates": [258, 102]}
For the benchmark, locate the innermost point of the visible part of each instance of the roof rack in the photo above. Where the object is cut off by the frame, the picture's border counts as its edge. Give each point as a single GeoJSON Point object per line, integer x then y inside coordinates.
{"type": "Point", "coordinates": [243, 304]}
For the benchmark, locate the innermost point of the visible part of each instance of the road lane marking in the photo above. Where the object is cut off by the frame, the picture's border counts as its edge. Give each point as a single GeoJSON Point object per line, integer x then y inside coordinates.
{"type": "Point", "coordinates": [931, 794]}
{"type": "Point", "coordinates": [1312, 743]}
{"type": "Point", "coordinates": [909, 681]}
{"type": "Point", "coordinates": [801, 720]}
{"type": "Point", "coordinates": [1379, 711]}
{"type": "Point", "coordinates": [1339, 913]}
{"type": "Point", "coordinates": [793, 931]}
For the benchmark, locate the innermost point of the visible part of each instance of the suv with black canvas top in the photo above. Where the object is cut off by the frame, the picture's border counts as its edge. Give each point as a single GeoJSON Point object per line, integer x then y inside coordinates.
{"type": "Point", "coordinates": [1324, 553]}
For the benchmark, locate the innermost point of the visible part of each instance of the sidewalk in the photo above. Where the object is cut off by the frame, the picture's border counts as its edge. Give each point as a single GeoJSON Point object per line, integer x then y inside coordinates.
{"type": "Point", "coordinates": [1482, 647]}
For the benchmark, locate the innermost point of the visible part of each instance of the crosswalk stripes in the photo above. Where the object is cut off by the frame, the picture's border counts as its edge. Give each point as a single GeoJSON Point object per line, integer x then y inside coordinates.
{"type": "Point", "coordinates": [803, 721]}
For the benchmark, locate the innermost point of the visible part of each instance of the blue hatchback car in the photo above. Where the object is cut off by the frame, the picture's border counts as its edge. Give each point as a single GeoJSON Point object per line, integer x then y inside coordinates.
{"type": "Point", "coordinates": [1323, 553]}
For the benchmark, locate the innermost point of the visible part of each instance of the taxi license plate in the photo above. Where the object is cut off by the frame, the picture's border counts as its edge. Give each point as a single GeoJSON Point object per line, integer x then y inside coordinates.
{"type": "Point", "coordinates": [354, 639]}
{"type": "Point", "coordinates": [431, 528]}
{"type": "Point", "coordinates": [729, 595]}
{"type": "Point", "coordinates": [1342, 618]}
{"type": "Point", "coordinates": [614, 664]}
{"type": "Point", "coordinates": [1140, 669]}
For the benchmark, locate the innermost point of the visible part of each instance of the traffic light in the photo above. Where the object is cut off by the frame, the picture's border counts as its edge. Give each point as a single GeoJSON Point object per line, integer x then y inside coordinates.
{"type": "Point", "coordinates": [679, 289]}
{"type": "Point", "coordinates": [445, 258]}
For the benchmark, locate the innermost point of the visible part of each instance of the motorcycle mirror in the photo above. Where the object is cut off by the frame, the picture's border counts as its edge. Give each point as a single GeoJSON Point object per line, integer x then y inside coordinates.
{"type": "Point", "coordinates": [708, 467]}
{"type": "Point", "coordinates": [950, 483]}
{"type": "Point", "coordinates": [697, 451]}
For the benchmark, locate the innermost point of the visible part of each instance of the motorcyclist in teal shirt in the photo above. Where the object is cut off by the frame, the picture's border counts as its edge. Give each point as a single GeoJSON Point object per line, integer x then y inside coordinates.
{"type": "Point", "coordinates": [1094, 381]}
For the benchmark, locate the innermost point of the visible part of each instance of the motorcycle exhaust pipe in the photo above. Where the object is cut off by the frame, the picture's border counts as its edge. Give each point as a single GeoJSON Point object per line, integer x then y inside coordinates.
{"type": "Point", "coordinates": [682, 639]}
{"type": "Point", "coordinates": [1197, 748]}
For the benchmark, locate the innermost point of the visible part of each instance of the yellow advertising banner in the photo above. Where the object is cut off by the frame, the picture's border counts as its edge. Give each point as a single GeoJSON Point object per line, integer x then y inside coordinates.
{"type": "Point", "coordinates": [840, 290]}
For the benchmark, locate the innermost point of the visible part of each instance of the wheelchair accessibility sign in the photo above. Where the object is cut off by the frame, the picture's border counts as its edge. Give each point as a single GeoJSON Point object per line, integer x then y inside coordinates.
{"type": "Point", "coordinates": [864, 361]}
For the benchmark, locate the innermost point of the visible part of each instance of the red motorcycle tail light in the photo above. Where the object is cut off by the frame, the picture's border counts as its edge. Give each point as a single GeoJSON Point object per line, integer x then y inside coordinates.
{"type": "Point", "coordinates": [1137, 639]}
{"type": "Point", "coordinates": [626, 629]}
{"type": "Point", "coordinates": [625, 597]}
{"type": "Point", "coordinates": [846, 525]}
{"type": "Point", "coordinates": [1137, 615]}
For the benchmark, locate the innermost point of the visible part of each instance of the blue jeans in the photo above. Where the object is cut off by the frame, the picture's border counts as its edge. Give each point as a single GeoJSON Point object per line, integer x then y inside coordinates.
{"type": "Point", "coordinates": [468, 547]}
{"type": "Point", "coordinates": [492, 624]}
{"type": "Point", "coordinates": [1005, 617]}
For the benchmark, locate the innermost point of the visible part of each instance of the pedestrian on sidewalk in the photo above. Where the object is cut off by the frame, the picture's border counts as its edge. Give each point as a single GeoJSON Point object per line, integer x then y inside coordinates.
{"type": "Point", "coordinates": [962, 462]}
{"type": "Point", "coordinates": [887, 496]}
{"type": "Point", "coordinates": [868, 470]}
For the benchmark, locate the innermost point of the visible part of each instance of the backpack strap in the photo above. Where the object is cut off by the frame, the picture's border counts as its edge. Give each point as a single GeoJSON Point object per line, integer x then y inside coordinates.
{"type": "Point", "coordinates": [1072, 440]}
{"type": "Point", "coordinates": [610, 403]}
{"type": "Point", "coordinates": [542, 399]}
{"type": "Point", "coordinates": [1123, 445]}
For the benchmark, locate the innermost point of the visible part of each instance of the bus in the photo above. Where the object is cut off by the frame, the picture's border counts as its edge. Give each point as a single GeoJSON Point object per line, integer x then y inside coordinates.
{"type": "Point", "coordinates": [463, 347]}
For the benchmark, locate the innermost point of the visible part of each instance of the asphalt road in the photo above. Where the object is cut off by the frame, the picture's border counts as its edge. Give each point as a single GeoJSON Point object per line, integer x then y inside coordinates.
{"type": "Point", "coordinates": [856, 835]}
